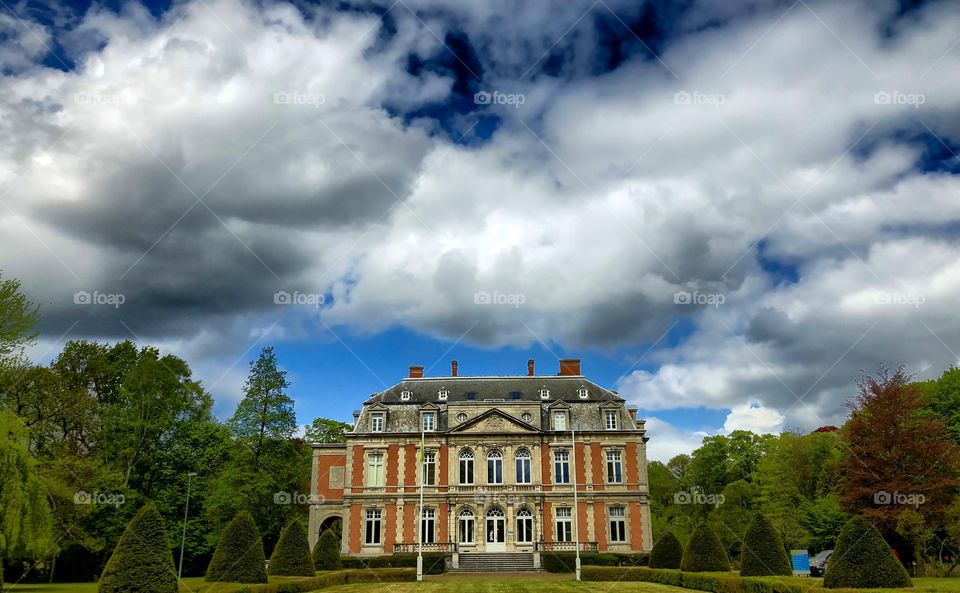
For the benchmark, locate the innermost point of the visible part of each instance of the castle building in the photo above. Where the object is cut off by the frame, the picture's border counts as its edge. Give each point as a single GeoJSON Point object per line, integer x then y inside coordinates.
{"type": "Point", "coordinates": [498, 462]}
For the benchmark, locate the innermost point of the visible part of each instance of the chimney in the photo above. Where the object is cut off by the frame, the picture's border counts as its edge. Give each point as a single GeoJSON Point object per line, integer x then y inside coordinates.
{"type": "Point", "coordinates": [569, 366]}
{"type": "Point", "coordinates": [453, 368]}
{"type": "Point", "coordinates": [416, 372]}
{"type": "Point", "coordinates": [530, 368]}
{"type": "Point", "coordinates": [632, 410]}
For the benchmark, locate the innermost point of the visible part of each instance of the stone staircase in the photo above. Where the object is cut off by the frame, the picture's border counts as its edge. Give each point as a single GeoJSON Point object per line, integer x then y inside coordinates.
{"type": "Point", "coordinates": [496, 562]}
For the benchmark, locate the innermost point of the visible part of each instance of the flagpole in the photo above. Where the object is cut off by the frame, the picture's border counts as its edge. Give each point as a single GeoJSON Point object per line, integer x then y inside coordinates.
{"type": "Point", "coordinates": [420, 459]}
{"type": "Point", "coordinates": [576, 509]}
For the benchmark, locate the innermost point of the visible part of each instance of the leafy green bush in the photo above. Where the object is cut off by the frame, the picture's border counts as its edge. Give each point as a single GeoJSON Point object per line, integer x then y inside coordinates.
{"type": "Point", "coordinates": [862, 559]}
{"type": "Point", "coordinates": [326, 554]}
{"type": "Point", "coordinates": [433, 562]}
{"type": "Point", "coordinates": [763, 551]}
{"type": "Point", "coordinates": [239, 556]}
{"type": "Point", "coordinates": [704, 552]}
{"type": "Point", "coordinates": [291, 556]}
{"type": "Point", "coordinates": [141, 561]}
{"type": "Point", "coordinates": [566, 561]}
{"type": "Point", "coordinates": [667, 552]}
{"type": "Point", "coordinates": [714, 583]}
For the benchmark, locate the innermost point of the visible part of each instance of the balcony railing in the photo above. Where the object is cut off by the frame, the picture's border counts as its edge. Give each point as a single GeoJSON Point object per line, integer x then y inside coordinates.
{"type": "Point", "coordinates": [566, 546]}
{"type": "Point", "coordinates": [446, 547]}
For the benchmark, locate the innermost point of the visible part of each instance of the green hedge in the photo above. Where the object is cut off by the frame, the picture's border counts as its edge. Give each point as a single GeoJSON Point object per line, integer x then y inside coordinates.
{"type": "Point", "coordinates": [863, 560]}
{"type": "Point", "coordinates": [667, 552]}
{"type": "Point", "coordinates": [291, 556]}
{"type": "Point", "coordinates": [239, 556]}
{"type": "Point", "coordinates": [333, 579]}
{"type": "Point", "coordinates": [763, 551]}
{"type": "Point", "coordinates": [704, 552]}
{"type": "Point", "coordinates": [433, 562]}
{"type": "Point", "coordinates": [326, 554]}
{"type": "Point", "coordinates": [566, 561]}
{"type": "Point", "coordinates": [700, 581]}
{"type": "Point", "coordinates": [141, 561]}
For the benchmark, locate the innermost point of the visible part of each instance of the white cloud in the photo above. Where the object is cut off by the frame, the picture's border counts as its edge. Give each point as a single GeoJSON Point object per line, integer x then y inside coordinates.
{"type": "Point", "coordinates": [667, 440]}
{"type": "Point", "coordinates": [755, 418]}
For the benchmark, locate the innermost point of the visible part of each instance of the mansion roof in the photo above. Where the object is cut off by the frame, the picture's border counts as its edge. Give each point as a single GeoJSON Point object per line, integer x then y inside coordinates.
{"type": "Point", "coordinates": [462, 389]}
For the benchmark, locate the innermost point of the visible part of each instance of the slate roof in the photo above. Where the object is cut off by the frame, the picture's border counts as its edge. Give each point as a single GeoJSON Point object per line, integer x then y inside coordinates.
{"type": "Point", "coordinates": [522, 388]}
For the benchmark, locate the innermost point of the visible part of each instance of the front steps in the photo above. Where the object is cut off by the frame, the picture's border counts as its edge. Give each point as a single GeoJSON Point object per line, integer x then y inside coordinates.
{"type": "Point", "coordinates": [495, 562]}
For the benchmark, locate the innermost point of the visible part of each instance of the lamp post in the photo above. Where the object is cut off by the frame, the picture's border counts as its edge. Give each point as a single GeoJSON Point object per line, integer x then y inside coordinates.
{"type": "Point", "coordinates": [183, 539]}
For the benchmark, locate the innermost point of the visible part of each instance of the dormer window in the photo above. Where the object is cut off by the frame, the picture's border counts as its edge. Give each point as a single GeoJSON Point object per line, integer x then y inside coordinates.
{"type": "Point", "coordinates": [428, 422]}
{"type": "Point", "coordinates": [442, 394]}
{"type": "Point", "coordinates": [462, 417]}
{"type": "Point", "coordinates": [610, 419]}
{"type": "Point", "coordinates": [376, 423]}
{"type": "Point", "coordinates": [544, 392]}
{"type": "Point", "coordinates": [583, 392]}
{"type": "Point", "coordinates": [405, 395]}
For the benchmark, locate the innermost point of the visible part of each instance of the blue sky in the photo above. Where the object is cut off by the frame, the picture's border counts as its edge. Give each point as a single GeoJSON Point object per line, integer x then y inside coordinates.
{"type": "Point", "coordinates": [727, 210]}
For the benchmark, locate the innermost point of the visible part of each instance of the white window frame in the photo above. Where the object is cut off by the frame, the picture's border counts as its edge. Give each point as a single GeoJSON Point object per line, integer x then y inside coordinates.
{"type": "Point", "coordinates": [377, 422]}
{"type": "Point", "coordinates": [375, 469]}
{"type": "Point", "coordinates": [405, 395]}
{"type": "Point", "coordinates": [465, 467]}
{"type": "Point", "coordinates": [442, 394]}
{"type": "Point", "coordinates": [429, 471]}
{"type": "Point", "coordinates": [560, 415]}
{"type": "Point", "coordinates": [466, 526]}
{"type": "Point", "coordinates": [544, 392]}
{"type": "Point", "coordinates": [614, 467]}
{"type": "Point", "coordinates": [561, 461]}
{"type": "Point", "coordinates": [523, 464]}
{"type": "Point", "coordinates": [610, 419]}
{"type": "Point", "coordinates": [564, 524]}
{"type": "Point", "coordinates": [462, 417]}
{"type": "Point", "coordinates": [373, 527]}
{"type": "Point", "coordinates": [583, 392]}
{"type": "Point", "coordinates": [428, 526]}
{"type": "Point", "coordinates": [524, 533]}
{"type": "Point", "coordinates": [495, 466]}
{"type": "Point", "coordinates": [618, 524]}
{"type": "Point", "coordinates": [430, 426]}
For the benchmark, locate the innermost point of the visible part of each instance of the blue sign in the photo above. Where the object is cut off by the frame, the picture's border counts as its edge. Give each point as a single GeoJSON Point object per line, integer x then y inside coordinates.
{"type": "Point", "coordinates": [800, 561]}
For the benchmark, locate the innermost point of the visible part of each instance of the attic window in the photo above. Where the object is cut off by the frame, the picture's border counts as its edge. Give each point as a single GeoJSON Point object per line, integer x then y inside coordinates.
{"type": "Point", "coordinates": [582, 392]}
{"type": "Point", "coordinates": [471, 395]}
{"type": "Point", "coordinates": [514, 395]}
{"type": "Point", "coordinates": [462, 417]}
{"type": "Point", "coordinates": [405, 395]}
{"type": "Point", "coordinates": [544, 392]}
{"type": "Point", "coordinates": [526, 416]}
{"type": "Point", "coordinates": [443, 394]}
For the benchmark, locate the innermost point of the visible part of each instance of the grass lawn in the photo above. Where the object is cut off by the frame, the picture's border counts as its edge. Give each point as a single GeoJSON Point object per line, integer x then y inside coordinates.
{"type": "Point", "coordinates": [189, 585]}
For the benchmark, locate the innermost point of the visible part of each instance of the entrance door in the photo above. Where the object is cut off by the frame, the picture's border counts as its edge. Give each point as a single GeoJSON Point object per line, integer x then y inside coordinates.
{"type": "Point", "coordinates": [496, 532]}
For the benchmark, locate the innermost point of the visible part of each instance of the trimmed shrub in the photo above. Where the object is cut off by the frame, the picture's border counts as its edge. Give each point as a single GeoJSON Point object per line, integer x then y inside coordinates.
{"type": "Point", "coordinates": [863, 560]}
{"type": "Point", "coordinates": [714, 583]}
{"type": "Point", "coordinates": [326, 554]}
{"type": "Point", "coordinates": [291, 556]}
{"type": "Point", "coordinates": [763, 551]}
{"type": "Point", "coordinates": [141, 561]}
{"type": "Point", "coordinates": [566, 561]}
{"type": "Point", "coordinates": [667, 552]}
{"type": "Point", "coordinates": [239, 557]}
{"type": "Point", "coordinates": [704, 552]}
{"type": "Point", "coordinates": [433, 562]}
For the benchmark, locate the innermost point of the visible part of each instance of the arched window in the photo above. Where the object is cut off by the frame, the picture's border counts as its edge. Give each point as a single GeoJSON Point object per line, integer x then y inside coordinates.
{"type": "Point", "coordinates": [496, 525]}
{"type": "Point", "coordinates": [495, 467]}
{"type": "Point", "coordinates": [524, 526]}
{"type": "Point", "coordinates": [466, 466]}
{"type": "Point", "coordinates": [466, 522]}
{"type": "Point", "coordinates": [523, 466]}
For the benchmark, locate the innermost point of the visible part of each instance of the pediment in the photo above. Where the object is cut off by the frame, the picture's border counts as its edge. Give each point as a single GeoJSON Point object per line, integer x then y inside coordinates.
{"type": "Point", "coordinates": [495, 421]}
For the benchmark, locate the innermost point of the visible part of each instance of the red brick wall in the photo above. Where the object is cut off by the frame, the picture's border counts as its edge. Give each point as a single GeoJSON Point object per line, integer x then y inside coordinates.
{"type": "Point", "coordinates": [598, 464]}
{"type": "Point", "coordinates": [393, 460]}
{"type": "Point", "coordinates": [546, 468]}
{"type": "Point", "coordinates": [410, 466]}
{"type": "Point", "coordinates": [409, 522]}
{"type": "Point", "coordinates": [356, 528]}
{"type": "Point", "coordinates": [583, 535]}
{"type": "Point", "coordinates": [324, 464]}
{"type": "Point", "coordinates": [442, 522]}
{"type": "Point", "coordinates": [389, 527]}
{"type": "Point", "coordinates": [600, 525]}
{"type": "Point", "coordinates": [631, 462]}
{"type": "Point", "coordinates": [358, 466]}
{"type": "Point", "coordinates": [581, 476]}
{"type": "Point", "coordinates": [548, 522]}
{"type": "Point", "coordinates": [636, 526]}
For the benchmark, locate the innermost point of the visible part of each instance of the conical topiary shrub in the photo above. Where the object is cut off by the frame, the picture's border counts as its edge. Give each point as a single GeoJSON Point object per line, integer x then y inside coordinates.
{"type": "Point", "coordinates": [326, 554]}
{"type": "Point", "coordinates": [239, 557]}
{"type": "Point", "coordinates": [863, 560]}
{"type": "Point", "coordinates": [704, 552]}
{"type": "Point", "coordinates": [667, 552]}
{"type": "Point", "coordinates": [763, 551]}
{"type": "Point", "coordinates": [141, 562]}
{"type": "Point", "coordinates": [291, 556]}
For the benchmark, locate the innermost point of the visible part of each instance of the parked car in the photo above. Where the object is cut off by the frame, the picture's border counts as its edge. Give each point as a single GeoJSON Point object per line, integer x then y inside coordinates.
{"type": "Point", "coordinates": [818, 564]}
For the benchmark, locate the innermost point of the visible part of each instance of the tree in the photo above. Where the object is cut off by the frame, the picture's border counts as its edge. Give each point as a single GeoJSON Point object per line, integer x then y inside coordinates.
{"type": "Point", "coordinates": [862, 560]}
{"type": "Point", "coordinates": [291, 556]}
{"type": "Point", "coordinates": [895, 450]}
{"type": "Point", "coordinates": [944, 394]}
{"type": "Point", "coordinates": [823, 519]}
{"type": "Point", "coordinates": [704, 552]}
{"type": "Point", "coordinates": [239, 557]}
{"type": "Point", "coordinates": [142, 561]}
{"type": "Point", "coordinates": [667, 552]}
{"type": "Point", "coordinates": [326, 554]}
{"type": "Point", "coordinates": [763, 551]}
{"type": "Point", "coordinates": [324, 430]}
{"type": "Point", "coordinates": [265, 414]}
{"type": "Point", "coordinates": [17, 318]}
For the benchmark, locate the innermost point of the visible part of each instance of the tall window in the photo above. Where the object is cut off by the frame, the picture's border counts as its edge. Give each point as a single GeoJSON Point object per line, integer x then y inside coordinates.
{"type": "Point", "coordinates": [466, 466]}
{"type": "Point", "coordinates": [523, 466]}
{"type": "Point", "coordinates": [524, 526]}
{"type": "Point", "coordinates": [371, 528]}
{"type": "Point", "coordinates": [376, 423]}
{"type": "Point", "coordinates": [564, 524]}
{"type": "Point", "coordinates": [375, 469]}
{"type": "Point", "coordinates": [614, 467]}
{"type": "Point", "coordinates": [428, 525]}
{"type": "Point", "coordinates": [495, 467]}
{"type": "Point", "coordinates": [428, 421]}
{"type": "Point", "coordinates": [429, 468]}
{"type": "Point", "coordinates": [610, 419]}
{"type": "Point", "coordinates": [618, 524]}
{"type": "Point", "coordinates": [559, 420]}
{"type": "Point", "coordinates": [466, 522]}
{"type": "Point", "coordinates": [561, 467]}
